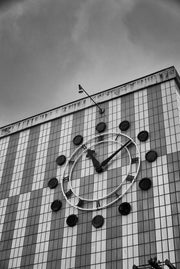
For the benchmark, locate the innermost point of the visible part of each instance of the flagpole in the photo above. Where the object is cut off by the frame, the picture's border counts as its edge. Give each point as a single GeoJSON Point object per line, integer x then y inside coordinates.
{"type": "Point", "coordinates": [101, 111]}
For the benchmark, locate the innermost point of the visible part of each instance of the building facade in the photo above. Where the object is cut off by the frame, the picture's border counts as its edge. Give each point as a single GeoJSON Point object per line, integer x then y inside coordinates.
{"type": "Point", "coordinates": [84, 189]}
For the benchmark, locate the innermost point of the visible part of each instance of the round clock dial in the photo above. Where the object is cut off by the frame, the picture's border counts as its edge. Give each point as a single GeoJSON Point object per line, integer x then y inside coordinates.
{"type": "Point", "coordinates": [100, 172]}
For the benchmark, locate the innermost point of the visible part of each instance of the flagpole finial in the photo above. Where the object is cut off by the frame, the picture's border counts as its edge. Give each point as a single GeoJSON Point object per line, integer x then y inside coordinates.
{"type": "Point", "coordinates": [81, 90]}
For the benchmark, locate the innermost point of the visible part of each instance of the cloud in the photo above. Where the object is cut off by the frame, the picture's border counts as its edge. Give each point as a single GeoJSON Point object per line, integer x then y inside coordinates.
{"type": "Point", "coordinates": [101, 34]}
{"type": "Point", "coordinates": [5, 4]}
{"type": "Point", "coordinates": [37, 55]}
{"type": "Point", "coordinates": [147, 23]}
{"type": "Point", "coordinates": [48, 47]}
{"type": "Point", "coordinates": [98, 15]}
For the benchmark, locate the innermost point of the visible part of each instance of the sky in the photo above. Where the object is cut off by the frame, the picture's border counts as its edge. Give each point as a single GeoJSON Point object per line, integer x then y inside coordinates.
{"type": "Point", "coordinates": [48, 47]}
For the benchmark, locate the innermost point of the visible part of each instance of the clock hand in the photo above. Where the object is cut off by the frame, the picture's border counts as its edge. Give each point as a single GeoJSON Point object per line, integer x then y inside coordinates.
{"type": "Point", "coordinates": [95, 162]}
{"type": "Point", "coordinates": [116, 152]}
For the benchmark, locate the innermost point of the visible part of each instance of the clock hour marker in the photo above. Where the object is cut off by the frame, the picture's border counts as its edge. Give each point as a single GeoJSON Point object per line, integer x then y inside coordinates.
{"type": "Point", "coordinates": [71, 161]}
{"type": "Point", "coordinates": [134, 160]}
{"type": "Point", "coordinates": [97, 204]}
{"type": "Point", "coordinates": [117, 195]}
{"type": "Point", "coordinates": [65, 179]}
{"type": "Point", "coordinates": [80, 203]}
{"type": "Point", "coordinates": [69, 193]}
{"type": "Point", "coordinates": [84, 146]}
{"type": "Point", "coordinates": [100, 138]}
{"type": "Point", "coordinates": [129, 178]}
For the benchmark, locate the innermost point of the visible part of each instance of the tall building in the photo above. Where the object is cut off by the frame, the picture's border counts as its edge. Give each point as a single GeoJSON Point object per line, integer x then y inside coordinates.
{"type": "Point", "coordinates": [83, 187]}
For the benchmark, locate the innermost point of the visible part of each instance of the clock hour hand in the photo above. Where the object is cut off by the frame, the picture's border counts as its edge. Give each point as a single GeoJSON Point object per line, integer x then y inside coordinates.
{"type": "Point", "coordinates": [116, 152]}
{"type": "Point", "coordinates": [96, 164]}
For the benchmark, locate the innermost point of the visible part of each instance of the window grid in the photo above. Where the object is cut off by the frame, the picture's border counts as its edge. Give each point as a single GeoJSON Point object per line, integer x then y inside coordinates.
{"type": "Point", "coordinates": [41, 156]}
{"type": "Point", "coordinates": [171, 118]}
{"type": "Point", "coordinates": [69, 234]}
{"type": "Point", "coordinates": [19, 163]}
{"type": "Point", "coordinates": [125, 248]}
{"type": "Point", "coordinates": [163, 219]}
{"type": "Point", "coordinates": [3, 145]}
{"type": "Point", "coordinates": [19, 231]}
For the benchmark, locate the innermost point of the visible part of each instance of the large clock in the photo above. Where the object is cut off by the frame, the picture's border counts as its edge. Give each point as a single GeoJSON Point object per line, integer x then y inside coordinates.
{"type": "Point", "coordinates": [91, 179]}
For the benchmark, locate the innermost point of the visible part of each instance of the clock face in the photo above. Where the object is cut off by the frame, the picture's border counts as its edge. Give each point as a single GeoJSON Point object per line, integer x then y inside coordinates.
{"type": "Point", "coordinates": [90, 180]}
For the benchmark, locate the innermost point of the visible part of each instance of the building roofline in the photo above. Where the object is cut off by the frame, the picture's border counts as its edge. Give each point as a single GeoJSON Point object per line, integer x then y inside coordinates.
{"type": "Point", "coordinates": [144, 81]}
{"type": "Point", "coordinates": [120, 85]}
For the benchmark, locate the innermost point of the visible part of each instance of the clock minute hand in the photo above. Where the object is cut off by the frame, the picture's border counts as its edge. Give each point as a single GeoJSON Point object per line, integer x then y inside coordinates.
{"type": "Point", "coordinates": [116, 152]}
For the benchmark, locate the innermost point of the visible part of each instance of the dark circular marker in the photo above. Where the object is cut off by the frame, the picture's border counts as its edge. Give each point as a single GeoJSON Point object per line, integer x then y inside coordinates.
{"type": "Point", "coordinates": [143, 136]}
{"type": "Point", "coordinates": [56, 205]}
{"type": "Point", "coordinates": [145, 184]}
{"type": "Point", "coordinates": [100, 127]}
{"type": "Point", "coordinates": [124, 208]}
{"type": "Point", "coordinates": [151, 156]}
{"type": "Point", "coordinates": [77, 140]}
{"type": "Point", "coordinates": [124, 125]}
{"type": "Point", "coordinates": [61, 160]}
{"type": "Point", "coordinates": [98, 221]}
{"type": "Point", "coordinates": [52, 183]}
{"type": "Point", "coordinates": [72, 220]}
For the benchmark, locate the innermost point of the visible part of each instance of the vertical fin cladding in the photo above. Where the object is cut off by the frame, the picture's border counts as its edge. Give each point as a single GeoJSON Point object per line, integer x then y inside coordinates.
{"type": "Point", "coordinates": [41, 155]}
{"type": "Point", "coordinates": [19, 163]}
{"type": "Point", "coordinates": [19, 230]}
{"type": "Point", "coordinates": [31, 232]}
{"type": "Point", "coordinates": [8, 229]}
{"type": "Point", "coordinates": [30, 159]}
{"type": "Point", "coordinates": [114, 232]}
{"type": "Point", "coordinates": [9, 166]}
